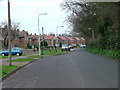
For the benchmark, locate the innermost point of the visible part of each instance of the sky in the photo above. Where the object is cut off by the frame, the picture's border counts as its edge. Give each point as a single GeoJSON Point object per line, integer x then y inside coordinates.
{"type": "Point", "coordinates": [26, 12]}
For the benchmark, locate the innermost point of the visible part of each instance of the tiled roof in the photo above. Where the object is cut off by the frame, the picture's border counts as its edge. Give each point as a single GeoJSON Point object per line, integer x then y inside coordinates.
{"type": "Point", "coordinates": [70, 38]}
{"type": "Point", "coordinates": [63, 38]}
{"type": "Point", "coordinates": [35, 36]}
{"type": "Point", "coordinates": [82, 38]}
{"type": "Point", "coordinates": [49, 37]}
{"type": "Point", "coordinates": [77, 38]}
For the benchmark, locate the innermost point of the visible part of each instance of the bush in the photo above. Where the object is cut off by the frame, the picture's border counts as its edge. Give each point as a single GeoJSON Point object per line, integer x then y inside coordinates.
{"type": "Point", "coordinates": [109, 53]}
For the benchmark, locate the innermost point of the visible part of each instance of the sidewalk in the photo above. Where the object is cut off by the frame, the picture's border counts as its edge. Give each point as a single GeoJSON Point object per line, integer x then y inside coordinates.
{"type": "Point", "coordinates": [4, 61]}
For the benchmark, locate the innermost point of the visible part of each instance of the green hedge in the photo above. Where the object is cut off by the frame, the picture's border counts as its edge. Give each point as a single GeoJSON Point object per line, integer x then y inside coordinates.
{"type": "Point", "coordinates": [109, 53]}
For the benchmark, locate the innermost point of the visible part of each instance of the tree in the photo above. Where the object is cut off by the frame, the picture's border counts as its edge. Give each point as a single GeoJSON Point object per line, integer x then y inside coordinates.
{"type": "Point", "coordinates": [98, 16]}
{"type": "Point", "coordinates": [44, 43]}
{"type": "Point", "coordinates": [4, 30]}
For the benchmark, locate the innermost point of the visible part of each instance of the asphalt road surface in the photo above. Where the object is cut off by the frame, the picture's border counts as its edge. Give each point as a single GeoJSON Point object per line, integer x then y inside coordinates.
{"type": "Point", "coordinates": [78, 69]}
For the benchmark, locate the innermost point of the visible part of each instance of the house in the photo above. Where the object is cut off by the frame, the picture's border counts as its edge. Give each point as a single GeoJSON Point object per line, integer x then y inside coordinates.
{"type": "Point", "coordinates": [56, 42]}
{"type": "Point", "coordinates": [77, 40]}
{"type": "Point", "coordinates": [49, 39]}
{"type": "Point", "coordinates": [34, 39]}
{"type": "Point", "coordinates": [71, 41]}
{"type": "Point", "coordinates": [20, 39]}
{"type": "Point", "coordinates": [82, 40]}
{"type": "Point", "coordinates": [63, 40]}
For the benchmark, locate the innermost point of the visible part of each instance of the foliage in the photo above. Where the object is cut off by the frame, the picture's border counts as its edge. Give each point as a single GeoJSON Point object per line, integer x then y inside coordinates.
{"type": "Point", "coordinates": [97, 16]}
{"type": "Point", "coordinates": [109, 53]}
{"type": "Point", "coordinates": [60, 44]}
{"type": "Point", "coordinates": [29, 46]}
{"type": "Point", "coordinates": [44, 43]}
{"type": "Point", "coordinates": [6, 70]}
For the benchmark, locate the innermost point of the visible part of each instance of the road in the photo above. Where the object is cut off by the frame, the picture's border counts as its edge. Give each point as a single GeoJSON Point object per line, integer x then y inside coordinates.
{"type": "Point", "coordinates": [78, 69]}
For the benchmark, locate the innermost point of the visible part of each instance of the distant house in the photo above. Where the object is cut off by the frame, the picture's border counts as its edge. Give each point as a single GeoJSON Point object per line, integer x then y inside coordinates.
{"type": "Point", "coordinates": [56, 42]}
{"type": "Point", "coordinates": [49, 39]}
{"type": "Point", "coordinates": [63, 40]}
{"type": "Point", "coordinates": [77, 40]}
{"type": "Point", "coordinates": [20, 39]}
{"type": "Point", "coordinates": [34, 39]}
{"type": "Point", "coordinates": [82, 40]}
{"type": "Point", "coordinates": [71, 40]}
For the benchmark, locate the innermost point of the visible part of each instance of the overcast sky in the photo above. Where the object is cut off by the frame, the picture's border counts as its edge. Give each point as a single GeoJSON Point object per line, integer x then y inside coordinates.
{"type": "Point", "coordinates": [26, 12]}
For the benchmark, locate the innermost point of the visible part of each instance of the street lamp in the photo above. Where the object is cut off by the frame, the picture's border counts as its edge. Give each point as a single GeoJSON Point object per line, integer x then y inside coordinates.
{"type": "Point", "coordinates": [39, 30]}
{"type": "Point", "coordinates": [93, 33]}
{"type": "Point", "coordinates": [57, 35]}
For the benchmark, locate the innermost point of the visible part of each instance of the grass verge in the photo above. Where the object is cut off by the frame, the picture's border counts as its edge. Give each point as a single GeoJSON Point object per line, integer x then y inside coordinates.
{"type": "Point", "coordinates": [4, 70]}
{"type": "Point", "coordinates": [14, 56]}
{"type": "Point", "coordinates": [109, 53]}
{"type": "Point", "coordinates": [22, 60]}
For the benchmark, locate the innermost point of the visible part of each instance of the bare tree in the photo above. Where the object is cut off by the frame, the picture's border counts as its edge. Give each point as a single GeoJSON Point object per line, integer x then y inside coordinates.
{"type": "Point", "coordinates": [4, 32]}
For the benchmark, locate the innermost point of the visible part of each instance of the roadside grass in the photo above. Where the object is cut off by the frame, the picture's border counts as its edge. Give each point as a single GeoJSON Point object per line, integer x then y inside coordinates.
{"type": "Point", "coordinates": [109, 53]}
{"type": "Point", "coordinates": [4, 70]}
{"type": "Point", "coordinates": [22, 60]}
{"type": "Point", "coordinates": [13, 56]}
{"type": "Point", "coordinates": [34, 56]}
{"type": "Point", "coordinates": [58, 53]}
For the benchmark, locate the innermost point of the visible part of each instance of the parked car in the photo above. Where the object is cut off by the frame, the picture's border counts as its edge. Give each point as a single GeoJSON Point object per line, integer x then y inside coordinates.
{"type": "Point", "coordinates": [82, 45]}
{"type": "Point", "coordinates": [65, 47]}
{"type": "Point", "coordinates": [15, 51]}
{"type": "Point", "coordinates": [71, 46]}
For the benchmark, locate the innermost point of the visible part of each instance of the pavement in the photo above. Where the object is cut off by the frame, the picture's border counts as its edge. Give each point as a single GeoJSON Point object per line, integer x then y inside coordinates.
{"type": "Point", "coordinates": [4, 61]}
{"type": "Point", "coordinates": [78, 69]}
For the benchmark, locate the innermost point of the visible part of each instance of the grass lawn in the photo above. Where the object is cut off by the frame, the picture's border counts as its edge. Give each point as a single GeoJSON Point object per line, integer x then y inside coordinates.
{"type": "Point", "coordinates": [22, 60]}
{"type": "Point", "coordinates": [4, 70]}
{"type": "Point", "coordinates": [13, 56]}
{"type": "Point", "coordinates": [58, 53]}
{"type": "Point", "coordinates": [34, 56]}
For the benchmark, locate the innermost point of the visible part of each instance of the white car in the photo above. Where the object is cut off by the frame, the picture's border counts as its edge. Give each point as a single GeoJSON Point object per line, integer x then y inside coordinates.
{"type": "Point", "coordinates": [82, 45]}
{"type": "Point", "coordinates": [65, 47]}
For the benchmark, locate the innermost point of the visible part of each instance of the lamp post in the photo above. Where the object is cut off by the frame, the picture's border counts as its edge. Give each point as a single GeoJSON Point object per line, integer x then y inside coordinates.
{"type": "Point", "coordinates": [9, 34]}
{"type": "Point", "coordinates": [57, 35]}
{"type": "Point", "coordinates": [93, 33]}
{"type": "Point", "coordinates": [39, 31]}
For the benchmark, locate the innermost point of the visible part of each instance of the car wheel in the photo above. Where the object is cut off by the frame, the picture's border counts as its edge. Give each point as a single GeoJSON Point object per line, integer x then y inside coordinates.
{"type": "Point", "coordinates": [3, 54]}
{"type": "Point", "coordinates": [17, 54]}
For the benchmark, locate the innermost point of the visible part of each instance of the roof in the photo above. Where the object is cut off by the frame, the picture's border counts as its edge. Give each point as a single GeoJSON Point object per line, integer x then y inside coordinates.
{"type": "Point", "coordinates": [63, 38]}
{"type": "Point", "coordinates": [82, 38]}
{"type": "Point", "coordinates": [77, 38]}
{"type": "Point", "coordinates": [49, 37]}
{"type": "Point", "coordinates": [35, 36]}
{"type": "Point", "coordinates": [70, 38]}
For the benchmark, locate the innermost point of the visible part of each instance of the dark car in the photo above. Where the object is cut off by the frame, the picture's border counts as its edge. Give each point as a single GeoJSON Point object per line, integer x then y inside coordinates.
{"type": "Point", "coordinates": [15, 51]}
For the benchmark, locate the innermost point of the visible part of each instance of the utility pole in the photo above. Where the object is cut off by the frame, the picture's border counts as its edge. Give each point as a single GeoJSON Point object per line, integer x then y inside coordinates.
{"type": "Point", "coordinates": [9, 34]}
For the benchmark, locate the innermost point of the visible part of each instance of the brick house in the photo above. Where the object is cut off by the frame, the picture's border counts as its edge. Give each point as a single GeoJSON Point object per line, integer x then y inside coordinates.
{"type": "Point", "coordinates": [63, 40]}
{"type": "Point", "coordinates": [49, 39]}
{"type": "Point", "coordinates": [34, 39]}
{"type": "Point", "coordinates": [21, 39]}
{"type": "Point", "coordinates": [77, 40]}
{"type": "Point", "coordinates": [82, 40]}
{"type": "Point", "coordinates": [71, 40]}
{"type": "Point", "coordinates": [56, 42]}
